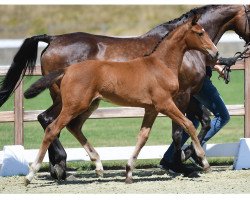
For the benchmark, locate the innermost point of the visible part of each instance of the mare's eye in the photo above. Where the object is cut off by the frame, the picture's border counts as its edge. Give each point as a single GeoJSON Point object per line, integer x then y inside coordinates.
{"type": "Point", "coordinates": [200, 34]}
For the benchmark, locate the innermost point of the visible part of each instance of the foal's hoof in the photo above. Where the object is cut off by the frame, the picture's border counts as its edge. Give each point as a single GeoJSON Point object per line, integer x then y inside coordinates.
{"type": "Point", "coordinates": [26, 182]}
{"type": "Point", "coordinates": [128, 180]}
{"type": "Point", "coordinates": [205, 165]}
{"type": "Point", "coordinates": [99, 173]}
{"type": "Point", "coordinates": [60, 172]}
{"type": "Point", "coordinates": [207, 169]}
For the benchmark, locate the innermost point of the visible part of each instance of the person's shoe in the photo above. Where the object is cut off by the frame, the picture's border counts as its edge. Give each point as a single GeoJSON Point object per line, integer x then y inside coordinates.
{"type": "Point", "coordinates": [175, 168]}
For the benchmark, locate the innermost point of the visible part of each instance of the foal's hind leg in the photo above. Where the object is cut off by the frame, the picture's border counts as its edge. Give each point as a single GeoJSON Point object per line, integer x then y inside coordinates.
{"type": "Point", "coordinates": [169, 108]}
{"type": "Point", "coordinates": [72, 107]}
{"type": "Point", "coordinates": [75, 127]}
{"type": "Point", "coordinates": [148, 121]}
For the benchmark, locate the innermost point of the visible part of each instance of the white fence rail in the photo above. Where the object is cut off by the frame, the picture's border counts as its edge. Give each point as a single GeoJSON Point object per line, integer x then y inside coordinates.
{"type": "Point", "coordinates": [123, 153]}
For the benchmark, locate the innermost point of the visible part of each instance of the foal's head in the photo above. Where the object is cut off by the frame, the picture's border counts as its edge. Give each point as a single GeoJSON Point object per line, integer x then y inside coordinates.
{"type": "Point", "coordinates": [196, 38]}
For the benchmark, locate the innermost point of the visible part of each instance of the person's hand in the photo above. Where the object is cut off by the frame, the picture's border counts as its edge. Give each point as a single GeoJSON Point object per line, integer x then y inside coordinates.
{"type": "Point", "coordinates": [220, 70]}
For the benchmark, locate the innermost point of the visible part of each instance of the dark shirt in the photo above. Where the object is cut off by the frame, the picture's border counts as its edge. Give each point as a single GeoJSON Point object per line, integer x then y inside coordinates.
{"type": "Point", "coordinates": [209, 71]}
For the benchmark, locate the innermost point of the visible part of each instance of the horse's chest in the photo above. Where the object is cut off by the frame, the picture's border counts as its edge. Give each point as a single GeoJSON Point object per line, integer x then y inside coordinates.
{"type": "Point", "coordinates": [192, 72]}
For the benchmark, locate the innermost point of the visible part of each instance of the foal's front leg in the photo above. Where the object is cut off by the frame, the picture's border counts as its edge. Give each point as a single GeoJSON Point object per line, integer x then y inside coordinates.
{"type": "Point", "coordinates": [148, 121]}
{"type": "Point", "coordinates": [170, 109]}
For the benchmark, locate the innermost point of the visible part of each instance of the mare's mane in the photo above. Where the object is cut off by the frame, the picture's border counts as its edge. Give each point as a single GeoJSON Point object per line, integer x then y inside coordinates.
{"type": "Point", "coordinates": [171, 25]}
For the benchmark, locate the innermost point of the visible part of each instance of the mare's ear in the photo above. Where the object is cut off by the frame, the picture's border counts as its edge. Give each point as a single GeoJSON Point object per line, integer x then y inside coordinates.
{"type": "Point", "coordinates": [195, 19]}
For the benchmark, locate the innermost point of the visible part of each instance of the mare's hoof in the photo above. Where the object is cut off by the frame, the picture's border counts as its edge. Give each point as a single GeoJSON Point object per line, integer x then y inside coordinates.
{"type": "Point", "coordinates": [60, 172]}
{"type": "Point", "coordinates": [128, 181]}
{"type": "Point", "coordinates": [26, 182]}
{"type": "Point", "coordinates": [193, 174]}
{"type": "Point", "coordinates": [176, 168]}
{"type": "Point", "coordinates": [99, 173]}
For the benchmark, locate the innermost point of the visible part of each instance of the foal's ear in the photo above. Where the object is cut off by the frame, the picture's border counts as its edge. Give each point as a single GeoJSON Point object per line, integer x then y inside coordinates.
{"type": "Point", "coordinates": [195, 19]}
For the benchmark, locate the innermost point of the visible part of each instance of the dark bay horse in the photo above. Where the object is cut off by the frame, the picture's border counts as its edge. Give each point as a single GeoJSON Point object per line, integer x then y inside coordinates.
{"type": "Point", "coordinates": [63, 50]}
{"type": "Point", "coordinates": [150, 82]}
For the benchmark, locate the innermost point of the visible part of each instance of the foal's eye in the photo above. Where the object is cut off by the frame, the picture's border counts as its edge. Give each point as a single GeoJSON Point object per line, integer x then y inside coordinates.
{"type": "Point", "coordinates": [200, 34]}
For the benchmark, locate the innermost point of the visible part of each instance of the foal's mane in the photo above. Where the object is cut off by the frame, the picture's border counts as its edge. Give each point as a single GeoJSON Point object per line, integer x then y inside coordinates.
{"type": "Point", "coordinates": [171, 25]}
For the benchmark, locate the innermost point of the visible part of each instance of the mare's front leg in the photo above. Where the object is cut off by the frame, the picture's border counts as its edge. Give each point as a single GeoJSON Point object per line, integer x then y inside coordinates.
{"type": "Point", "coordinates": [198, 111]}
{"type": "Point", "coordinates": [181, 101]}
{"type": "Point", "coordinates": [170, 109]}
{"type": "Point", "coordinates": [148, 121]}
{"type": "Point", "coordinates": [56, 152]}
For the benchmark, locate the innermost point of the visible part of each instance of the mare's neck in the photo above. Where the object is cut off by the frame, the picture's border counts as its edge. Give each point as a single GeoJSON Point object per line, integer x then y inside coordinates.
{"type": "Point", "coordinates": [216, 21]}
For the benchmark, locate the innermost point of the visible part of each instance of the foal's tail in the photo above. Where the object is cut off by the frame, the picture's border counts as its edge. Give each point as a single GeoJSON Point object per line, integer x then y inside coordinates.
{"type": "Point", "coordinates": [25, 59]}
{"type": "Point", "coordinates": [43, 83]}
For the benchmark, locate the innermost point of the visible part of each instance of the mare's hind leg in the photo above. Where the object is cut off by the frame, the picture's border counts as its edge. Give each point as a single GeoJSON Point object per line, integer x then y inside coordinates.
{"type": "Point", "coordinates": [197, 110]}
{"type": "Point", "coordinates": [178, 156]}
{"type": "Point", "coordinates": [170, 109]}
{"type": "Point", "coordinates": [148, 120]}
{"type": "Point", "coordinates": [75, 127]}
{"type": "Point", "coordinates": [50, 134]}
{"type": "Point", "coordinates": [56, 152]}
{"type": "Point", "coordinates": [181, 100]}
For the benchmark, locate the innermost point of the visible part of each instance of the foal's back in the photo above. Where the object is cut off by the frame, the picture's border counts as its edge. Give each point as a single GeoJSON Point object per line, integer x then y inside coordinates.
{"type": "Point", "coordinates": [129, 83]}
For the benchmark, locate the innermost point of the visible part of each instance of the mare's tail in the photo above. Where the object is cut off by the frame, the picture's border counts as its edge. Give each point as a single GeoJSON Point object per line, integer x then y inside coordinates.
{"type": "Point", "coordinates": [25, 59]}
{"type": "Point", "coordinates": [43, 83]}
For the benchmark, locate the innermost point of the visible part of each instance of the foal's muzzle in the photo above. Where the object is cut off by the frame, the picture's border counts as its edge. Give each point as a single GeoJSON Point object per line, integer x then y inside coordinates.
{"type": "Point", "coordinates": [213, 54]}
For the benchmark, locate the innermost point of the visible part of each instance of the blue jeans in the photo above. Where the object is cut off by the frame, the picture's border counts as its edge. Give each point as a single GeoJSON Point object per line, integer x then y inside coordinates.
{"type": "Point", "coordinates": [210, 98]}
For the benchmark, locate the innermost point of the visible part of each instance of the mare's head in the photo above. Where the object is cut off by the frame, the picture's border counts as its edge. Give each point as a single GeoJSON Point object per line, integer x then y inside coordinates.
{"type": "Point", "coordinates": [196, 38]}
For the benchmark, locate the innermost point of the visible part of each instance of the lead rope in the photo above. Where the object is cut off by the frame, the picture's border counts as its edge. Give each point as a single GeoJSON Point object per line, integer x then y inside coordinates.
{"type": "Point", "coordinates": [228, 62]}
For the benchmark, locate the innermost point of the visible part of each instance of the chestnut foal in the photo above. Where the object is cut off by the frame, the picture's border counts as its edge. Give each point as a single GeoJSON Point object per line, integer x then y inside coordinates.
{"type": "Point", "coordinates": [149, 82]}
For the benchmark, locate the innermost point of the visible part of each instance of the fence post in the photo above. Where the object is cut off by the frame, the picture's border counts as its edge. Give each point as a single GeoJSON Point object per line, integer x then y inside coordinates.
{"type": "Point", "coordinates": [247, 97]}
{"type": "Point", "coordinates": [18, 115]}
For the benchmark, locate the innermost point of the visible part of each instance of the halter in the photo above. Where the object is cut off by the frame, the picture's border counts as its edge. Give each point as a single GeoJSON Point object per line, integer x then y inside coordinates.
{"type": "Point", "coordinates": [247, 21]}
{"type": "Point", "coordinates": [228, 62]}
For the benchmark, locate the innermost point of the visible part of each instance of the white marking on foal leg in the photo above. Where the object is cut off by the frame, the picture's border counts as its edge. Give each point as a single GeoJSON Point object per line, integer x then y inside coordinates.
{"type": "Point", "coordinates": [206, 166]}
{"type": "Point", "coordinates": [99, 168]}
{"type": "Point", "coordinates": [94, 157]}
{"type": "Point", "coordinates": [129, 169]}
{"type": "Point", "coordinates": [142, 139]}
{"type": "Point", "coordinates": [34, 168]}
